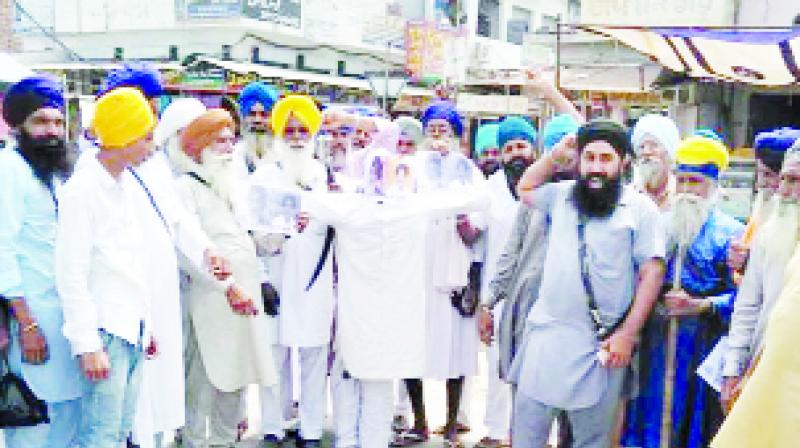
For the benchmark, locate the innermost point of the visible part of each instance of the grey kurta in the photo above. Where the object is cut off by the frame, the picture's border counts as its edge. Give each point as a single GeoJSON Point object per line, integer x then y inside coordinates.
{"type": "Point", "coordinates": [760, 288]}
{"type": "Point", "coordinates": [517, 279]}
{"type": "Point", "coordinates": [236, 350]}
{"type": "Point", "coordinates": [558, 365]}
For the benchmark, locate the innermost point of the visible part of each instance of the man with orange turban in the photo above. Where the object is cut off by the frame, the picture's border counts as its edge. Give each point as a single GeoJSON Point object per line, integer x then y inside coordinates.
{"type": "Point", "coordinates": [301, 270]}
{"type": "Point", "coordinates": [229, 341]}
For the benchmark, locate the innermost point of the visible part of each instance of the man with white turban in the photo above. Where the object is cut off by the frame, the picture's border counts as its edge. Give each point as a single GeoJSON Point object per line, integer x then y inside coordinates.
{"type": "Point", "coordinates": [655, 139]}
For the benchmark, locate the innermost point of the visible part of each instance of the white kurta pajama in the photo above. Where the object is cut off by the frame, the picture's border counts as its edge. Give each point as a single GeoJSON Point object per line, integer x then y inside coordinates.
{"type": "Point", "coordinates": [501, 216]}
{"type": "Point", "coordinates": [161, 398]}
{"type": "Point", "coordinates": [228, 351]}
{"type": "Point", "coordinates": [381, 251]}
{"type": "Point", "coordinates": [305, 317]}
{"type": "Point", "coordinates": [451, 340]}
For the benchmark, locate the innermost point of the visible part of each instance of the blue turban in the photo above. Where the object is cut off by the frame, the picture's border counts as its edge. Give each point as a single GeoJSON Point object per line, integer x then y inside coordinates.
{"type": "Point", "coordinates": [29, 95]}
{"type": "Point", "coordinates": [515, 128]}
{"type": "Point", "coordinates": [257, 92]}
{"type": "Point", "coordinates": [443, 110]}
{"type": "Point", "coordinates": [140, 75]}
{"type": "Point", "coordinates": [771, 146]}
{"type": "Point", "coordinates": [486, 138]}
{"type": "Point", "coordinates": [708, 133]}
{"type": "Point", "coordinates": [557, 128]}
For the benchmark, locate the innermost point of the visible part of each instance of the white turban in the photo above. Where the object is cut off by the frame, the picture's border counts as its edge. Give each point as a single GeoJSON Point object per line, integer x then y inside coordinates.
{"type": "Point", "coordinates": [177, 115]}
{"type": "Point", "coordinates": [660, 128]}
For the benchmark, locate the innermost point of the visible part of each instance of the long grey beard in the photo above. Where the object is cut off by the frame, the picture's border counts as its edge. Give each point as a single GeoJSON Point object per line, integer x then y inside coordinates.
{"type": "Point", "coordinates": [297, 165]}
{"type": "Point", "coordinates": [430, 144]}
{"type": "Point", "coordinates": [763, 206]}
{"type": "Point", "coordinates": [646, 175]}
{"type": "Point", "coordinates": [689, 214]}
{"type": "Point", "coordinates": [260, 146]}
{"type": "Point", "coordinates": [780, 232]}
{"type": "Point", "coordinates": [223, 179]}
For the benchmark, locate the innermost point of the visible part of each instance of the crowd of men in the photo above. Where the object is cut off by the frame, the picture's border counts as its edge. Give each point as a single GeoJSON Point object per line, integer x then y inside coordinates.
{"type": "Point", "coordinates": [187, 255]}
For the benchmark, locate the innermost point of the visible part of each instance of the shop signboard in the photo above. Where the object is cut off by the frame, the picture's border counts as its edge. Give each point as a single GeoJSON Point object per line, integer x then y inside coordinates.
{"type": "Point", "coordinates": [281, 12]}
{"type": "Point", "coordinates": [212, 9]}
{"type": "Point", "coordinates": [426, 45]}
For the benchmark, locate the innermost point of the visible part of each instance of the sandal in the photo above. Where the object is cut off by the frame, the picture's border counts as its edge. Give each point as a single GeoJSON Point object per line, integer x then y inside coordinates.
{"type": "Point", "coordinates": [409, 438]}
{"type": "Point", "coordinates": [488, 442]}
{"type": "Point", "coordinates": [460, 427]}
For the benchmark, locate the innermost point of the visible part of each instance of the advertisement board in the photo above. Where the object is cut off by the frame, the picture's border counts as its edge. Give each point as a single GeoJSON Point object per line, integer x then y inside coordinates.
{"type": "Point", "coordinates": [281, 12]}
{"type": "Point", "coordinates": [212, 9]}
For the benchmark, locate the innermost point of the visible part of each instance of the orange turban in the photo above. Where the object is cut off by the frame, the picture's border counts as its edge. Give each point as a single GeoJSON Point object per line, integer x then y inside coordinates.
{"type": "Point", "coordinates": [201, 132]}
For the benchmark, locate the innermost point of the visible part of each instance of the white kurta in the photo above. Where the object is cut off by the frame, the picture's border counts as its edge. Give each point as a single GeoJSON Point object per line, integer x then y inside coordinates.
{"type": "Point", "coordinates": [451, 340]}
{"type": "Point", "coordinates": [381, 250]}
{"type": "Point", "coordinates": [160, 407]}
{"type": "Point", "coordinates": [305, 317]}
{"type": "Point", "coordinates": [236, 350]}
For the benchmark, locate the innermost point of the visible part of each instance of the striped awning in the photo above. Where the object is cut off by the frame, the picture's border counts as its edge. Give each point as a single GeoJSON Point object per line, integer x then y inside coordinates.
{"type": "Point", "coordinates": [766, 57]}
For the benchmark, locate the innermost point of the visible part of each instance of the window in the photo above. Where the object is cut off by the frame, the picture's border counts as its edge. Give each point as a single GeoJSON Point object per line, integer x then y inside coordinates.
{"type": "Point", "coordinates": [574, 10]}
{"type": "Point", "coordinates": [549, 23]}
{"type": "Point", "coordinates": [489, 19]}
{"type": "Point", "coordinates": [255, 54]}
{"type": "Point", "coordinates": [226, 52]}
{"type": "Point", "coordinates": [519, 24]}
{"type": "Point", "coordinates": [173, 52]}
{"type": "Point", "coordinates": [300, 62]}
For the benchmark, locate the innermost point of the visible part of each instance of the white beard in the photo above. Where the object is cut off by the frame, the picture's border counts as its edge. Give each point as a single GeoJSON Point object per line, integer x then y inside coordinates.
{"type": "Point", "coordinates": [430, 144]}
{"type": "Point", "coordinates": [689, 214]}
{"type": "Point", "coordinates": [781, 231]}
{"type": "Point", "coordinates": [222, 176]}
{"type": "Point", "coordinates": [646, 175]}
{"type": "Point", "coordinates": [180, 162]}
{"type": "Point", "coordinates": [297, 165]}
{"type": "Point", "coordinates": [763, 206]}
{"type": "Point", "coordinates": [260, 146]}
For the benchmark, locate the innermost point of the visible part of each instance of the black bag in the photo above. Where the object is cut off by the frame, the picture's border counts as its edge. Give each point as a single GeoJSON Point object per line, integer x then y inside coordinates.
{"type": "Point", "coordinates": [18, 405]}
{"type": "Point", "coordinates": [271, 298]}
{"type": "Point", "coordinates": [466, 300]}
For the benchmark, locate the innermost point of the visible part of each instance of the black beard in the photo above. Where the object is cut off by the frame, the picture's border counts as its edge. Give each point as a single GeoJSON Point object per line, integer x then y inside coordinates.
{"type": "Point", "coordinates": [514, 170]}
{"type": "Point", "coordinates": [47, 157]}
{"type": "Point", "coordinates": [489, 168]}
{"type": "Point", "coordinates": [594, 202]}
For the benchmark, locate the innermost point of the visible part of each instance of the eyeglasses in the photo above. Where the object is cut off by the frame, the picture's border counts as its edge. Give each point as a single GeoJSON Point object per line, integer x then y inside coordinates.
{"type": "Point", "coordinates": [300, 131]}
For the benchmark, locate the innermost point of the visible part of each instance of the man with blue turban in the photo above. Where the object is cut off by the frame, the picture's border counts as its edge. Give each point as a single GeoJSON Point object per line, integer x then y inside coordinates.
{"type": "Point", "coordinates": [487, 151]}
{"type": "Point", "coordinates": [770, 148]}
{"type": "Point", "coordinates": [700, 296]}
{"type": "Point", "coordinates": [442, 124]}
{"type": "Point", "coordinates": [140, 75]}
{"type": "Point", "coordinates": [255, 105]}
{"type": "Point", "coordinates": [31, 174]}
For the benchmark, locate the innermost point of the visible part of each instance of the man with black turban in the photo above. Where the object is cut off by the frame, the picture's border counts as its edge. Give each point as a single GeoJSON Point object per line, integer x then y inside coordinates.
{"type": "Point", "coordinates": [602, 274]}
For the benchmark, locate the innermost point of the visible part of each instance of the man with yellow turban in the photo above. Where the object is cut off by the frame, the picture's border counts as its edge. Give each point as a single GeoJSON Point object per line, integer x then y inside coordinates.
{"type": "Point", "coordinates": [229, 345]}
{"type": "Point", "coordinates": [300, 268]}
{"type": "Point", "coordinates": [106, 215]}
{"type": "Point", "coordinates": [701, 295]}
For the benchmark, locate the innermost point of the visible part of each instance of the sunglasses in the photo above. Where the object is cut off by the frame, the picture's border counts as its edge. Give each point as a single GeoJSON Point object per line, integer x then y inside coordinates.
{"type": "Point", "coordinates": [299, 131]}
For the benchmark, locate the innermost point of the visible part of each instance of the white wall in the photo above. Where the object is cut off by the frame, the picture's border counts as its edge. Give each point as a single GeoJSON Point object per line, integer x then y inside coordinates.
{"type": "Point", "coordinates": [772, 12]}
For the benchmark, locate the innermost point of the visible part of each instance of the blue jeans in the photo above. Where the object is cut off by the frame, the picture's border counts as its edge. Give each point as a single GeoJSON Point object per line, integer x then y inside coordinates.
{"type": "Point", "coordinates": [108, 406]}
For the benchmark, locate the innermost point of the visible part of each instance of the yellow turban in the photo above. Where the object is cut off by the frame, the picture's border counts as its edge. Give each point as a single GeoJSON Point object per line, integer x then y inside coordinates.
{"type": "Point", "coordinates": [301, 107]}
{"type": "Point", "coordinates": [122, 116]}
{"type": "Point", "coordinates": [700, 152]}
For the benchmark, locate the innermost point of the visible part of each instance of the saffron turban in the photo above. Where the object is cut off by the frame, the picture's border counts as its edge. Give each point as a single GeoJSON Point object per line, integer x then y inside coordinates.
{"type": "Point", "coordinates": [202, 131]}
{"type": "Point", "coordinates": [121, 117]}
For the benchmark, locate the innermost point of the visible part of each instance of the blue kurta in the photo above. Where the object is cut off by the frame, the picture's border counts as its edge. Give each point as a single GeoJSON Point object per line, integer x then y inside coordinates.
{"type": "Point", "coordinates": [696, 410]}
{"type": "Point", "coordinates": [27, 244]}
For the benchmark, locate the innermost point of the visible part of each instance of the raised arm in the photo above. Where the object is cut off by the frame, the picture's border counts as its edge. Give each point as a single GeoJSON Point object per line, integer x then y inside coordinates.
{"type": "Point", "coordinates": [540, 84]}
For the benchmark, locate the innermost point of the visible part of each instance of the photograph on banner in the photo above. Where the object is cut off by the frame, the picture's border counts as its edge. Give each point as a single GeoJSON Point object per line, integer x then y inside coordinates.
{"type": "Point", "coordinates": [281, 12]}
{"type": "Point", "coordinates": [273, 210]}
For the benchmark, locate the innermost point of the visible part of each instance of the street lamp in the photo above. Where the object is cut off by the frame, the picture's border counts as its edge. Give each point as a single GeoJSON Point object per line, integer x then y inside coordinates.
{"type": "Point", "coordinates": [386, 84]}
